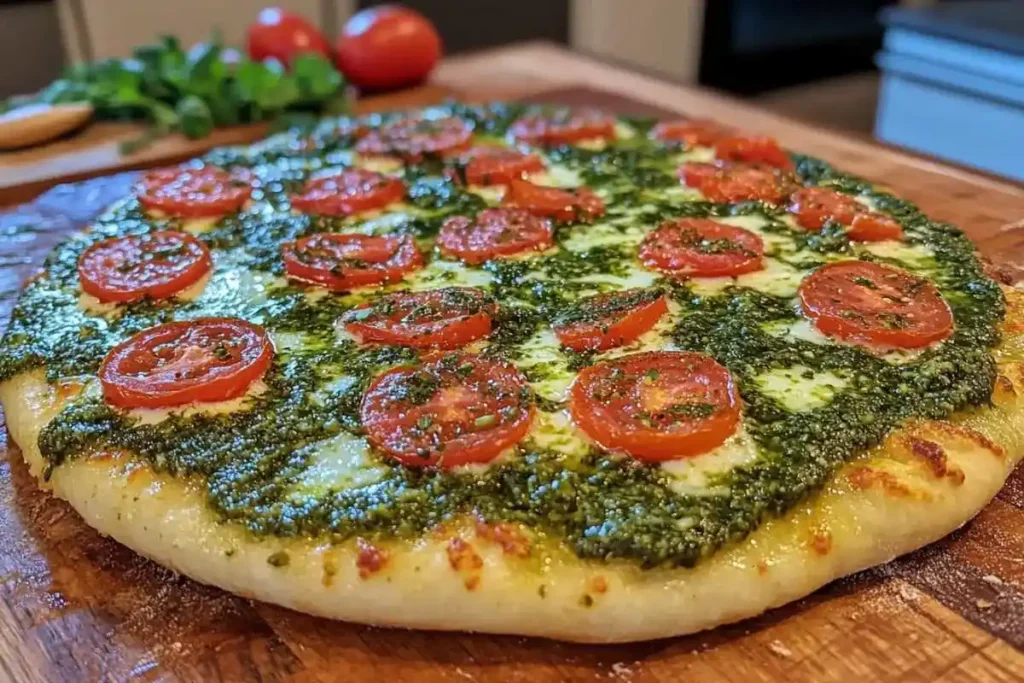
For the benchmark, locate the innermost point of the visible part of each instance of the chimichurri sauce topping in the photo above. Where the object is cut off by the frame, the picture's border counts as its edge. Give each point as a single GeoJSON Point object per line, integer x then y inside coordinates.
{"type": "Point", "coordinates": [277, 464]}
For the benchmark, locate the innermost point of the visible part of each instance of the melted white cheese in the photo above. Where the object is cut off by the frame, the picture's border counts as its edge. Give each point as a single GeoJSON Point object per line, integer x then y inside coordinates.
{"type": "Point", "coordinates": [340, 462]}
{"type": "Point", "coordinates": [799, 388]}
{"type": "Point", "coordinates": [690, 475]}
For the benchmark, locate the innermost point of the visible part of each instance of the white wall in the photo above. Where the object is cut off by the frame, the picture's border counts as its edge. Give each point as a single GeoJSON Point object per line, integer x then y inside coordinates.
{"type": "Point", "coordinates": [660, 35]}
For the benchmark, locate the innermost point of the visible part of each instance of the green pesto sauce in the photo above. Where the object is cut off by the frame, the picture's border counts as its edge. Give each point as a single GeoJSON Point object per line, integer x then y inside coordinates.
{"type": "Point", "coordinates": [603, 506]}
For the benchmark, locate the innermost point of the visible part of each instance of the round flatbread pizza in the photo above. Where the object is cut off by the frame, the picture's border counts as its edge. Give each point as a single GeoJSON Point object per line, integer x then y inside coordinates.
{"type": "Point", "coordinates": [517, 369]}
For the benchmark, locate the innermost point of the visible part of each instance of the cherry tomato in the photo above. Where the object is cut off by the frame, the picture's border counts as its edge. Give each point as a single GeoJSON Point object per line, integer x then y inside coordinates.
{"type": "Point", "coordinates": [282, 35]}
{"type": "Point", "coordinates": [413, 139]}
{"type": "Point", "coordinates": [701, 247]}
{"type": "Point", "coordinates": [492, 233]}
{"type": "Point", "coordinates": [347, 192]}
{"type": "Point", "coordinates": [157, 265]}
{"type": "Point", "coordinates": [341, 262]}
{"type": "Point", "coordinates": [605, 321]}
{"type": "Point", "coordinates": [387, 47]}
{"type": "Point", "coordinates": [487, 165]}
{"type": "Point", "coordinates": [564, 205]}
{"type": "Point", "coordinates": [761, 150]}
{"type": "Point", "coordinates": [655, 406]}
{"type": "Point", "coordinates": [563, 128]}
{"type": "Point", "coordinates": [196, 361]}
{"type": "Point", "coordinates": [868, 303]}
{"type": "Point", "coordinates": [455, 409]}
{"type": "Point", "coordinates": [814, 206]}
{"type": "Point", "coordinates": [446, 318]}
{"type": "Point", "coordinates": [691, 133]}
{"type": "Point", "coordinates": [736, 182]}
{"type": "Point", "coordinates": [192, 193]}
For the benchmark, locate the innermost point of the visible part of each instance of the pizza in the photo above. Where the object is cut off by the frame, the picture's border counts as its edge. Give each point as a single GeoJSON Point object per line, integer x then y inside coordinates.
{"type": "Point", "coordinates": [517, 369]}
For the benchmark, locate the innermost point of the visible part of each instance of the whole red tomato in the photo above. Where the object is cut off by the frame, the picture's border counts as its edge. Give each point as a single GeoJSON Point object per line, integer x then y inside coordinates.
{"type": "Point", "coordinates": [387, 47]}
{"type": "Point", "coordinates": [282, 35]}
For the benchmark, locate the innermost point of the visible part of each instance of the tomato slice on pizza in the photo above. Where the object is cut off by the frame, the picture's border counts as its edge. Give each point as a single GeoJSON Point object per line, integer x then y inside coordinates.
{"type": "Point", "coordinates": [493, 233]}
{"type": "Point", "coordinates": [700, 247]}
{"type": "Point", "coordinates": [564, 205]}
{"type": "Point", "coordinates": [488, 165]}
{"type": "Point", "coordinates": [156, 265]}
{"type": "Point", "coordinates": [416, 138]}
{"type": "Point", "coordinates": [186, 192]}
{"type": "Point", "coordinates": [455, 409]}
{"type": "Point", "coordinates": [604, 321]}
{"type": "Point", "coordinates": [202, 360]}
{"type": "Point", "coordinates": [692, 132]}
{"type": "Point", "coordinates": [869, 303]}
{"type": "Point", "coordinates": [752, 149]}
{"type": "Point", "coordinates": [655, 406]}
{"type": "Point", "coordinates": [813, 206]}
{"type": "Point", "coordinates": [564, 128]}
{"type": "Point", "coordinates": [349, 191]}
{"type": "Point", "coordinates": [341, 262]}
{"type": "Point", "coordinates": [446, 318]}
{"type": "Point", "coordinates": [738, 182]}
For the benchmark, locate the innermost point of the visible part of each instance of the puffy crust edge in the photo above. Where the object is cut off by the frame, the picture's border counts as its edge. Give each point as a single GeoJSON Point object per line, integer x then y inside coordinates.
{"type": "Point", "coordinates": [927, 479]}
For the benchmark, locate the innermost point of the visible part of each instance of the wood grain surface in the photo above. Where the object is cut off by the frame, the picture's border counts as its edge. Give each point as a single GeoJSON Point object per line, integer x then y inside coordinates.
{"type": "Point", "coordinates": [78, 607]}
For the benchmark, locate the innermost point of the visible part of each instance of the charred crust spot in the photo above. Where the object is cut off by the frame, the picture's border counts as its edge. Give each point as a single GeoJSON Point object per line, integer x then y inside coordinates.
{"type": "Point", "coordinates": [512, 541]}
{"type": "Point", "coordinates": [935, 458]}
{"type": "Point", "coordinates": [931, 453]}
{"type": "Point", "coordinates": [821, 541]}
{"type": "Point", "coordinates": [465, 560]}
{"type": "Point", "coordinates": [865, 477]}
{"type": "Point", "coordinates": [1005, 385]}
{"type": "Point", "coordinates": [370, 558]}
{"type": "Point", "coordinates": [969, 435]}
{"type": "Point", "coordinates": [587, 600]}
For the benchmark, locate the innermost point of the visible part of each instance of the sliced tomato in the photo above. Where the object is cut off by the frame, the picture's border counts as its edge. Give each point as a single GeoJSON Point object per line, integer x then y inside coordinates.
{"type": "Point", "coordinates": [564, 205]}
{"type": "Point", "coordinates": [749, 149]}
{"type": "Point", "coordinates": [700, 247]}
{"type": "Point", "coordinates": [488, 165]}
{"type": "Point", "coordinates": [814, 206]}
{"type": "Point", "coordinates": [493, 233]}
{"type": "Point", "coordinates": [564, 128]}
{"type": "Point", "coordinates": [608, 320]}
{"type": "Point", "coordinates": [341, 262]}
{"type": "Point", "coordinates": [192, 192]}
{"type": "Point", "coordinates": [737, 182]}
{"type": "Point", "coordinates": [868, 303]}
{"type": "Point", "coordinates": [455, 409]}
{"type": "Point", "coordinates": [350, 191]}
{"type": "Point", "coordinates": [692, 133]}
{"type": "Point", "coordinates": [874, 227]}
{"type": "Point", "coordinates": [195, 361]}
{"type": "Point", "coordinates": [446, 318]}
{"type": "Point", "coordinates": [413, 139]}
{"type": "Point", "coordinates": [158, 265]}
{"type": "Point", "coordinates": [655, 406]}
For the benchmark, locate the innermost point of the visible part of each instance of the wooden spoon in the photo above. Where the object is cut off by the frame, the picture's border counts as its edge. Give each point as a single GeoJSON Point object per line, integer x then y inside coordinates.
{"type": "Point", "coordinates": [35, 123]}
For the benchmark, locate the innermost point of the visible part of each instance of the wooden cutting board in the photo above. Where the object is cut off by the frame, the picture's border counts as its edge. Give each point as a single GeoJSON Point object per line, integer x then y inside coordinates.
{"type": "Point", "coordinates": [78, 607]}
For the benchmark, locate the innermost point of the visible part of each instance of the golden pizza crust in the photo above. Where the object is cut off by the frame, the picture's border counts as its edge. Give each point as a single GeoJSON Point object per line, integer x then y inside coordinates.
{"type": "Point", "coordinates": [927, 479]}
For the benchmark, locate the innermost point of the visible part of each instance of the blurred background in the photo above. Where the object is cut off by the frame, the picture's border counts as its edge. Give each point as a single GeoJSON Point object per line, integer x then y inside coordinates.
{"type": "Point", "coordinates": [944, 64]}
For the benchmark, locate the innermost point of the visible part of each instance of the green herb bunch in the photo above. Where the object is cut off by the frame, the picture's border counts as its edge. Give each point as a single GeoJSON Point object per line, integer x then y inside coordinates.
{"type": "Point", "coordinates": [196, 91]}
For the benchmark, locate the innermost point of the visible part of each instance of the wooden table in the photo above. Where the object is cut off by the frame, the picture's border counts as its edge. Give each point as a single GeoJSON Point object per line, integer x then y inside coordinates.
{"type": "Point", "coordinates": [75, 606]}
